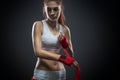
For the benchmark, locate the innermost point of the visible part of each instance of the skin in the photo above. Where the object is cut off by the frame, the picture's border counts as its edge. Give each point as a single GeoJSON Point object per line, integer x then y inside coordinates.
{"type": "Point", "coordinates": [48, 60]}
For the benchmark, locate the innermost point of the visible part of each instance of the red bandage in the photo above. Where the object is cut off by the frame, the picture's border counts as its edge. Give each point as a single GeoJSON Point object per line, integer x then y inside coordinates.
{"type": "Point", "coordinates": [67, 60]}
{"type": "Point", "coordinates": [64, 42]}
{"type": "Point", "coordinates": [33, 78]}
{"type": "Point", "coordinates": [77, 75]}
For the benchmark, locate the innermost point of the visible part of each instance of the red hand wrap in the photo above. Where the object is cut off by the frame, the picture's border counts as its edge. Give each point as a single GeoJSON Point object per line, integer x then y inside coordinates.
{"type": "Point", "coordinates": [68, 60]}
{"type": "Point", "coordinates": [64, 42]}
{"type": "Point", "coordinates": [33, 78]}
{"type": "Point", "coordinates": [77, 75]}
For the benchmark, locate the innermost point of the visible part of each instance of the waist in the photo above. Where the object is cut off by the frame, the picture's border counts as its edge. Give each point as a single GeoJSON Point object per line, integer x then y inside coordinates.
{"type": "Point", "coordinates": [39, 70]}
{"type": "Point", "coordinates": [50, 65]}
{"type": "Point", "coordinates": [49, 75]}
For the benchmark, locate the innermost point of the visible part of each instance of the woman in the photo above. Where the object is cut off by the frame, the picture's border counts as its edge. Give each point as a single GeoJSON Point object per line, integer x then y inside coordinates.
{"type": "Point", "coordinates": [46, 37]}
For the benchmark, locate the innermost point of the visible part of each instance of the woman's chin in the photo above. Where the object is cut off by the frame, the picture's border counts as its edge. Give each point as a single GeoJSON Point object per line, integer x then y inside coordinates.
{"type": "Point", "coordinates": [54, 19]}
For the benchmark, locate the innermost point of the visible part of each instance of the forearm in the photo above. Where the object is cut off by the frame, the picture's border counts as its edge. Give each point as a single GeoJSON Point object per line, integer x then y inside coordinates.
{"type": "Point", "coordinates": [47, 54]}
{"type": "Point", "coordinates": [66, 45]}
{"type": "Point", "coordinates": [70, 51]}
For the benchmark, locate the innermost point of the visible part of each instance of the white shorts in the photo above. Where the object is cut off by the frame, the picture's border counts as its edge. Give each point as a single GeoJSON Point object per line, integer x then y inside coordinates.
{"type": "Point", "coordinates": [49, 75]}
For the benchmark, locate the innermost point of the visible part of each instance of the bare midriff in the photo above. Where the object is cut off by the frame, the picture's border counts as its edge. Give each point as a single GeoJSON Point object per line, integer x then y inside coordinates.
{"type": "Point", "coordinates": [51, 65]}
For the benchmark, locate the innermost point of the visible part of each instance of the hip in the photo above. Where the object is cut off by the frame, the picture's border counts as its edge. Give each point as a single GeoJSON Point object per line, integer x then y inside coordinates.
{"type": "Point", "coordinates": [49, 75]}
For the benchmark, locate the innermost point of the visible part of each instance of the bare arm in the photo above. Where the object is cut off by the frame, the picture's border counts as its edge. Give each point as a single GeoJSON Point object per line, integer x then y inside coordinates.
{"type": "Point", "coordinates": [36, 39]}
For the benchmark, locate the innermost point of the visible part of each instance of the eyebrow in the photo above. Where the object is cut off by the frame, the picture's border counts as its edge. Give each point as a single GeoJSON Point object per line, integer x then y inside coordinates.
{"type": "Point", "coordinates": [53, 7]}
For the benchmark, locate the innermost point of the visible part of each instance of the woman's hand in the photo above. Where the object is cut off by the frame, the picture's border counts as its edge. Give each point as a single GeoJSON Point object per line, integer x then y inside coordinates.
{"type": "Point", "coordinates": [63, 41]}
{"type": "Point", "coordinates": [61, 36]}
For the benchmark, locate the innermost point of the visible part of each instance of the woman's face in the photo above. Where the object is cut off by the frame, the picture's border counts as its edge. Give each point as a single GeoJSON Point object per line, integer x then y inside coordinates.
{"type": "Point", "coordinates": [52, 10]}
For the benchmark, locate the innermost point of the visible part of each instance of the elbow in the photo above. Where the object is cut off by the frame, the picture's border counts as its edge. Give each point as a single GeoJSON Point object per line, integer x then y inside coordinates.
{"type": "Point", "coordinates": [38, 52]}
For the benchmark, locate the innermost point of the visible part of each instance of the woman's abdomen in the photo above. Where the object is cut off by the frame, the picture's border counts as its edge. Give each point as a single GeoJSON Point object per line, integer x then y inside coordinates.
{"type": "Point", "coordinates": [45, 64]}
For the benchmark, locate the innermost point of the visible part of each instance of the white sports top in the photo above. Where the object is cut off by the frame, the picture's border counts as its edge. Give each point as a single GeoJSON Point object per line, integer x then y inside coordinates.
{"type": "Point", "coordinates": [49, 40]}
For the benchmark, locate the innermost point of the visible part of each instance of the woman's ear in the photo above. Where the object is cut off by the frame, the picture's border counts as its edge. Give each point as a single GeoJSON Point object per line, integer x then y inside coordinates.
{"type": "Point", "coordinates": [44, 13]}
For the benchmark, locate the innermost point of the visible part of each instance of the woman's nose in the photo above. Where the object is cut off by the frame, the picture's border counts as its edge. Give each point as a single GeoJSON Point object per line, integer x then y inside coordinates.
{"type": "Point", "coordinates": [52, 12]}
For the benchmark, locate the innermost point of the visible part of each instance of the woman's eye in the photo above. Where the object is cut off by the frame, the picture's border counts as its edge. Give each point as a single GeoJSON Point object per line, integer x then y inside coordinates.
{"type": "Point", "coordinates": [56, 9]}
{"type": "Point", "coordinates": [49, 9]}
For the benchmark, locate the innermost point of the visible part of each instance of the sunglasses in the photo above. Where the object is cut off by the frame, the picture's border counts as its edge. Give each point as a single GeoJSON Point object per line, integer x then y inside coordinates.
{"type": "Point", "coordinates": [49, 9]}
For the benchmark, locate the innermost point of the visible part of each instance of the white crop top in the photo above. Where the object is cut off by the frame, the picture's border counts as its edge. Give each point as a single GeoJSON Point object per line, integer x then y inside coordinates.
{"type": "Point", "coordinates": [49, 40]}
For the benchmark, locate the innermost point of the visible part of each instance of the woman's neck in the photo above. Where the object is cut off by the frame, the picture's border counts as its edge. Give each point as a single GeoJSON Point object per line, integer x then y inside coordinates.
{"type": "Point", "coordinates": [52, 24]}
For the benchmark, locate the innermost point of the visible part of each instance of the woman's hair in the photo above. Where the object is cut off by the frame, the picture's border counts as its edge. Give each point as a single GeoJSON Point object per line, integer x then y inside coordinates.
{"type": "Point", "coordinates": [61, 19]}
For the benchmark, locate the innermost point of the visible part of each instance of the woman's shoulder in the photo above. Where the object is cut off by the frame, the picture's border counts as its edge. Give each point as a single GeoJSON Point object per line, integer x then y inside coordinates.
{"type": "Point", "coordinates": [37, 22]}
{"type": "Point", "coordinates": [66, 28]}
{"type": "Point", "coordinates": [37, 25]}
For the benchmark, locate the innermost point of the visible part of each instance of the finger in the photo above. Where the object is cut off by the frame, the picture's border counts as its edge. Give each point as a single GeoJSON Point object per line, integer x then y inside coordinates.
{"type": "Point", "coordinates": [75, 63]}
{"type": "Point", "coordinates": [62, 34]}
{"type": "Point", "coordinates": [59, 37]}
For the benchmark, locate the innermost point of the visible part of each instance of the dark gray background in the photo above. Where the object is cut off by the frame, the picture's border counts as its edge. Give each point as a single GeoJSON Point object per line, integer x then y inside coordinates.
{"type": "Point", "coordinates": [94, 31]}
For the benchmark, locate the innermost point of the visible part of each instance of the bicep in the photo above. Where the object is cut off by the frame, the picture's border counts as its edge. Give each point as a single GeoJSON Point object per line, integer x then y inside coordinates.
{"type": "Point", "coordinates": [36, 36]}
